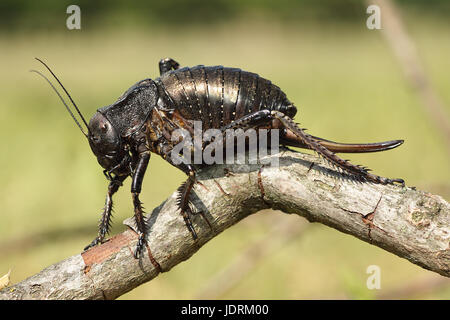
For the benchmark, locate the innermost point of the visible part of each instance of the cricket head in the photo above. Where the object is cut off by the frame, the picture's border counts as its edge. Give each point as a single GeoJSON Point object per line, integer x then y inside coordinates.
{"type": "Point", "coordinates": [106, 143]}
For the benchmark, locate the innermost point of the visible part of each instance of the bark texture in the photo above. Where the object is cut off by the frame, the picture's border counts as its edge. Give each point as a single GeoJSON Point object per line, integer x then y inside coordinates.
{"type": "Point", "coordinates": [412, 224]}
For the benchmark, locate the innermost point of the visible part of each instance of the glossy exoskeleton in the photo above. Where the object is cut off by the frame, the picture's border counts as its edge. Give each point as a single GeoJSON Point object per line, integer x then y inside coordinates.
{"type": "Point", "coordinates": [125, 133]}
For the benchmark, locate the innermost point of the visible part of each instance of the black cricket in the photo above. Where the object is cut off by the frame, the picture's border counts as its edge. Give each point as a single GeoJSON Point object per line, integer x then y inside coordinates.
{"type": "Point", "coordinates": [125, 133]}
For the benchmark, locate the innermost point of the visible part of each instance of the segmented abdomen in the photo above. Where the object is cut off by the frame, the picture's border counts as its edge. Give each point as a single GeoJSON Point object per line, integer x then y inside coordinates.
{"type": "Point", "coordinates": [218, 95]}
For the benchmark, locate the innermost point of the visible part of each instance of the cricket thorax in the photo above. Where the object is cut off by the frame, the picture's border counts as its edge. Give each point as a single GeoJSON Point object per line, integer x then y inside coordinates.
{"type": "Point", "coordinates": [159, 130]}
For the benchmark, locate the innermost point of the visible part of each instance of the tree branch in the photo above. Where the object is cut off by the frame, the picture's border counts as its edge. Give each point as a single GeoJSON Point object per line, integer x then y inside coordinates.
{"type": "Point", "coordinates": [412, 224]}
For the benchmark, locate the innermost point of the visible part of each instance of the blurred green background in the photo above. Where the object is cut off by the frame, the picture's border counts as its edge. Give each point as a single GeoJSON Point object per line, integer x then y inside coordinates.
{"type": "Point", "coordinates": [344, 79]}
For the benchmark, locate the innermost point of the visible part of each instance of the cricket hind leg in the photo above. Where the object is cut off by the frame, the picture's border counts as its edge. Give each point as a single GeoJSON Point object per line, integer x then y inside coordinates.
{"type": "Point", "coordinates": [358, 172]}
{"type": "Point", "coordinates": [277, 119]}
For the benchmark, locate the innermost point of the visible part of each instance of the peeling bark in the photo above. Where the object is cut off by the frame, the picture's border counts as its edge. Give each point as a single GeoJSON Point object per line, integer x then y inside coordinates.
{"type": "Point", "coordinates": [412, 224]}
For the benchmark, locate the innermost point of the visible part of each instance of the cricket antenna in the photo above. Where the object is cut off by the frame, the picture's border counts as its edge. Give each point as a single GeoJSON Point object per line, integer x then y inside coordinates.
{"type": "Point", "coordinates": [67, 93]}
{"type": "Point", "coordinates": [65, 104]}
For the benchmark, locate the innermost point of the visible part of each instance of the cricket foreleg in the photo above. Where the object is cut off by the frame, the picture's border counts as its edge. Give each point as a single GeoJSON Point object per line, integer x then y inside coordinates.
{"type": "Point", "coordinates": [105, 221]}
{"type": "Point", "coordinates": [136, 186]}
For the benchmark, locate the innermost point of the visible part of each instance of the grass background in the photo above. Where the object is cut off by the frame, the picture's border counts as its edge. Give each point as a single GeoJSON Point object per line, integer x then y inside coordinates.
{"type": "Point", "coordinates": [342, 77]}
